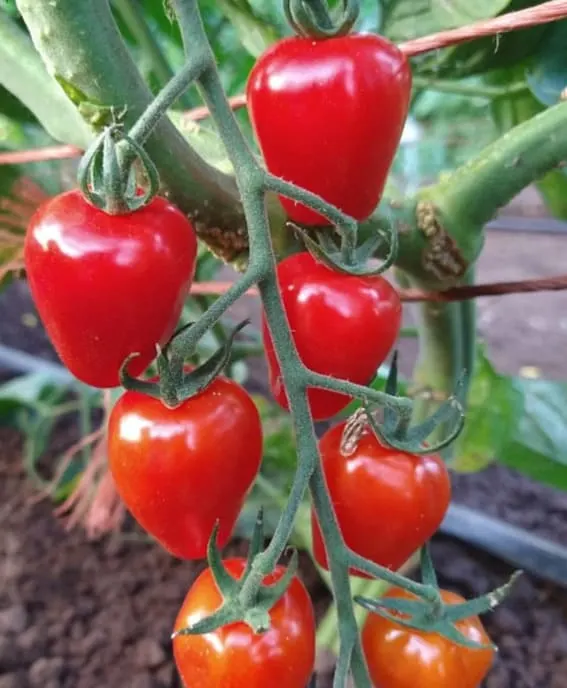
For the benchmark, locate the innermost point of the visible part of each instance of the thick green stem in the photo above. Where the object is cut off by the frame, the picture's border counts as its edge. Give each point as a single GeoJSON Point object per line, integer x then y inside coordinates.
{"type": "Point", "coordinates": [132, 15]}
{"type": "Point", "coordinates": [101, 77]}
{"type": "Point", "coordinates": [459, 206]}
{"type": "Point", "coordinates": [440, 360]}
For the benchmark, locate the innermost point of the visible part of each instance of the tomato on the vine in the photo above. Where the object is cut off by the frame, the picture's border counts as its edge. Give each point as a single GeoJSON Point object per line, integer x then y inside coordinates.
{"type": "Point", "coordinates": [107, 286]}
{"type": "Point", "coordinates": [388, 503]}
{"type": "Point", "coordinates": [400, 657]}
{"type": "Point", "coordinates": [180, 470]}
{"type": "Point", "coordinates": [342, 326]}
{"type": "Point", "coordinates": [328, 116]}
{"type": "Point", "coordinates": [233, 656]}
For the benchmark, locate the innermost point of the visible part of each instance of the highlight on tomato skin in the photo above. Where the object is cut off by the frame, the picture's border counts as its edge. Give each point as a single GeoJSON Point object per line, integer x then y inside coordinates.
{"type": "Point", "coordinates": [179, 471]}
{"type": "Point", "coordinates": [388, 503]}
{"type": "Point", "coordinates": [233, 655]}
{"type": "Point", "coordinates": [107, 286]}
{"type": "Point", "coordinates": [343, 326]}
{"type": "Point", "coordinates": [400, 657]}
{"type": "Point", "coordinates": [328, 116]}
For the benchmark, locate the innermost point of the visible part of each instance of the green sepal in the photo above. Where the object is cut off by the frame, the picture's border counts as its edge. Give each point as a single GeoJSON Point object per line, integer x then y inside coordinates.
{"type": "Point", "coordinates": [391, 388]}
{"type": "Point", "coordinates": [226, 584]}
{"type": "Point", "coordinates": [174, 386]}
{"type": "Point", "coordinates": [134, 384]}
{"type": "Point", "coordinates": [256, 541]}
{"type": "Point", "coordinates": [110, 184]}
{"type": "Point", "coordinates": [422, 620]}
{"type": "Point", "coordinates": [483, 604]}
{"type": "Point", "coordinates": [413, 439]}
{"type": "Point", "coordinates": [304, 21]}
{"type": "Point", "coordinates": [257, 614]}
{"type": "Point", "coordinates": [222, 617]}
{"type": "Point", "coordinates": [325, 250]}
{"type": "Point", "coordinates": [268, 595]}
{"type": "Point", "coordinates": [428, 574]}
{"type": "Point", "coordinates": [197, 380]}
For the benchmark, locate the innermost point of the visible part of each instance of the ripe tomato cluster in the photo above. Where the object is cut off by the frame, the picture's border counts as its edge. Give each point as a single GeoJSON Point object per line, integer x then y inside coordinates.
{"type": "Point", "coordinates": [328, 115]}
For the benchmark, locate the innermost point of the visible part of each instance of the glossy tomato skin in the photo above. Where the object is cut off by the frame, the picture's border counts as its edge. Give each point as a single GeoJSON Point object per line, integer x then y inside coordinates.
{"type": "Point", "coordinates": [179, 470]}
{"type": "Point", "coordinates": [107, 286]}
{"type": "Point", "coordinates": [234, 656]}
{"type": "Point", "coordinates": [328, 116]}
{"type": "Point", "coordinates": [399, 657]}
{"type": "Point", "coordinates": [388, 503]}
{"type": "Point", "coordinates": [342, 326]}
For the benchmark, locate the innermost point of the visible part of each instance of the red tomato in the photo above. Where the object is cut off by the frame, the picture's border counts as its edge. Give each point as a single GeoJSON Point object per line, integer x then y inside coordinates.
{"type": "Point", "coordinates": [234, 656]}
{"type": "Point", "coordinates": [179, 470]}
{"type": "Point", "coordinates": [107, 286]}
{"type": "Point", "coordinates": [400, 657]}
{"type": "Point", "coordinates": [328, 116]}
{"type": "Point", "coordinates": [342, 326]}
{"type": "Point", "coordinates": [388, 503]}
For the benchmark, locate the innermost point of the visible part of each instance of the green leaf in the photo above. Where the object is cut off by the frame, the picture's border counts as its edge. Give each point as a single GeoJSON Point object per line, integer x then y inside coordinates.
{"type": "Point", "coordinates": [494, 404]}
{"type": "Point", "coordinates": [252, 30]}
{"type": "Point", "coordinates": [547, 74]}
{"type": "Point", "coordinates": [23, 73]}
{"type": "Point", "coordinates": [538, 446]}
{"type": "Point", "coordinates": [485, 54]}
{"type": "Point", "coordinates": [412, 18]}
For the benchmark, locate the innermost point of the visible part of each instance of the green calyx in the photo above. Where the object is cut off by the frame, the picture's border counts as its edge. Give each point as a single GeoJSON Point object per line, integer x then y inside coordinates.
{"type": "Point", "coordinates": [346, 258]}
{"type": "Point", "coordinates": [395, 431]}
{"type": "Point", "coordinates": [108, 181]}
{"type": "Point", "coordinates": [429, 613]}
{"type": "Point", "coordinates": [175, 384]}
{"type": "Point", "coordinates": [239, 604]}
{"type": "Point", "coordinates": [312, 18]}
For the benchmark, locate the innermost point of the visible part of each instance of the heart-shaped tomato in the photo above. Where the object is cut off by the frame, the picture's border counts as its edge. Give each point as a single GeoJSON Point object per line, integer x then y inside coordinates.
{"type": "Point", "coordinates": [328, 116]}
{"type": "Point", "coordinates": [181, 470]}
{"type": "Point", "coordinates": [342, 326]}
{"type": "Point", "coordinates": [107, 286]}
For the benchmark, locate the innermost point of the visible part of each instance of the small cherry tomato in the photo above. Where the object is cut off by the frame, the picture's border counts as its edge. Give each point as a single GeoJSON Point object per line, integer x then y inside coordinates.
{"type": "Point", "coordinates": [328, 116]}
{"type": "Point", "coordinates": [342, 326]}
{"type": "Point", "coordinates": [400, 657]}
{"type": "Point", "coordinates": [107, 286]}
{"type": "Point", "coordinates": [388, 503]}
{"type": "Point", "coordinates": [233, 656]}
{"type": "Point", "coordinates": [180, 470]}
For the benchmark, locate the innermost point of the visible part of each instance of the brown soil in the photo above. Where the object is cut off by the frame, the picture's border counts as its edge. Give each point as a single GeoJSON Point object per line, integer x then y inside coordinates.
{"type": "Point", "coordinates": [88, 615]}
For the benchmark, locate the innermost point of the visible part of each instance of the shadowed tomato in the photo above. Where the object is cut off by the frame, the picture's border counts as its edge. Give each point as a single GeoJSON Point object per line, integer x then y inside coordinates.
{"type": "Point", "coordinates": [388, 503]}
{"type": "Point", "coordinates": [342, 326]}
{"type": "Point", "coordinates": [400, 657]}
{"type": "Point", "coordinates": [328, 116]}
{"type": "Point", "coordinates": [180, 470]}
{"type": "Point", "coordinates": [107, 286]}
{"type": "Point", "coordinates": [233, 656]}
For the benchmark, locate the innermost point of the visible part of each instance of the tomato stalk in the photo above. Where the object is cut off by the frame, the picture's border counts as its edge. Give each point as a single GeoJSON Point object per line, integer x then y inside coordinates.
{"type": "Point", "coordinates": [253, 182]}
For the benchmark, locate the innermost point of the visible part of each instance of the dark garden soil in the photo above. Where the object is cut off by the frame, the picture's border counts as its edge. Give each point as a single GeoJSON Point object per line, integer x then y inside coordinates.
{"type": "Point", "coordinates": [98, 615]}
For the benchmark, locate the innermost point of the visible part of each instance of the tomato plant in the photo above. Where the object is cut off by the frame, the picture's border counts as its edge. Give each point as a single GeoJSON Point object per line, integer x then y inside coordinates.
{"type": "Point", "coordinates": [342, 325]}
{"type": "Point", "coordinates": [388, 503]}
{"type": "Point", "coordinates": [328, 115]}
{"type": "Point", "coordinates": [107, 286]}
{"type": "Point", "coordinates": [233, 656]}
{"type": "Point", "coordinates": [400, 657]}
{"type": "Point", "coordinates": [180, 470]}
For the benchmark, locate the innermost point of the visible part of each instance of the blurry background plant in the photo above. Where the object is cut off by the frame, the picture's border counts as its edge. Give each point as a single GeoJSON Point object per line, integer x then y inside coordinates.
{"type": "Point", "coordinates": [464, 98]}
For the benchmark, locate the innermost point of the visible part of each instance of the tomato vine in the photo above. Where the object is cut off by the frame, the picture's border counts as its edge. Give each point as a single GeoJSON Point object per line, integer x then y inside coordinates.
{"type": "Point", "coordinates": [446, 221]}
